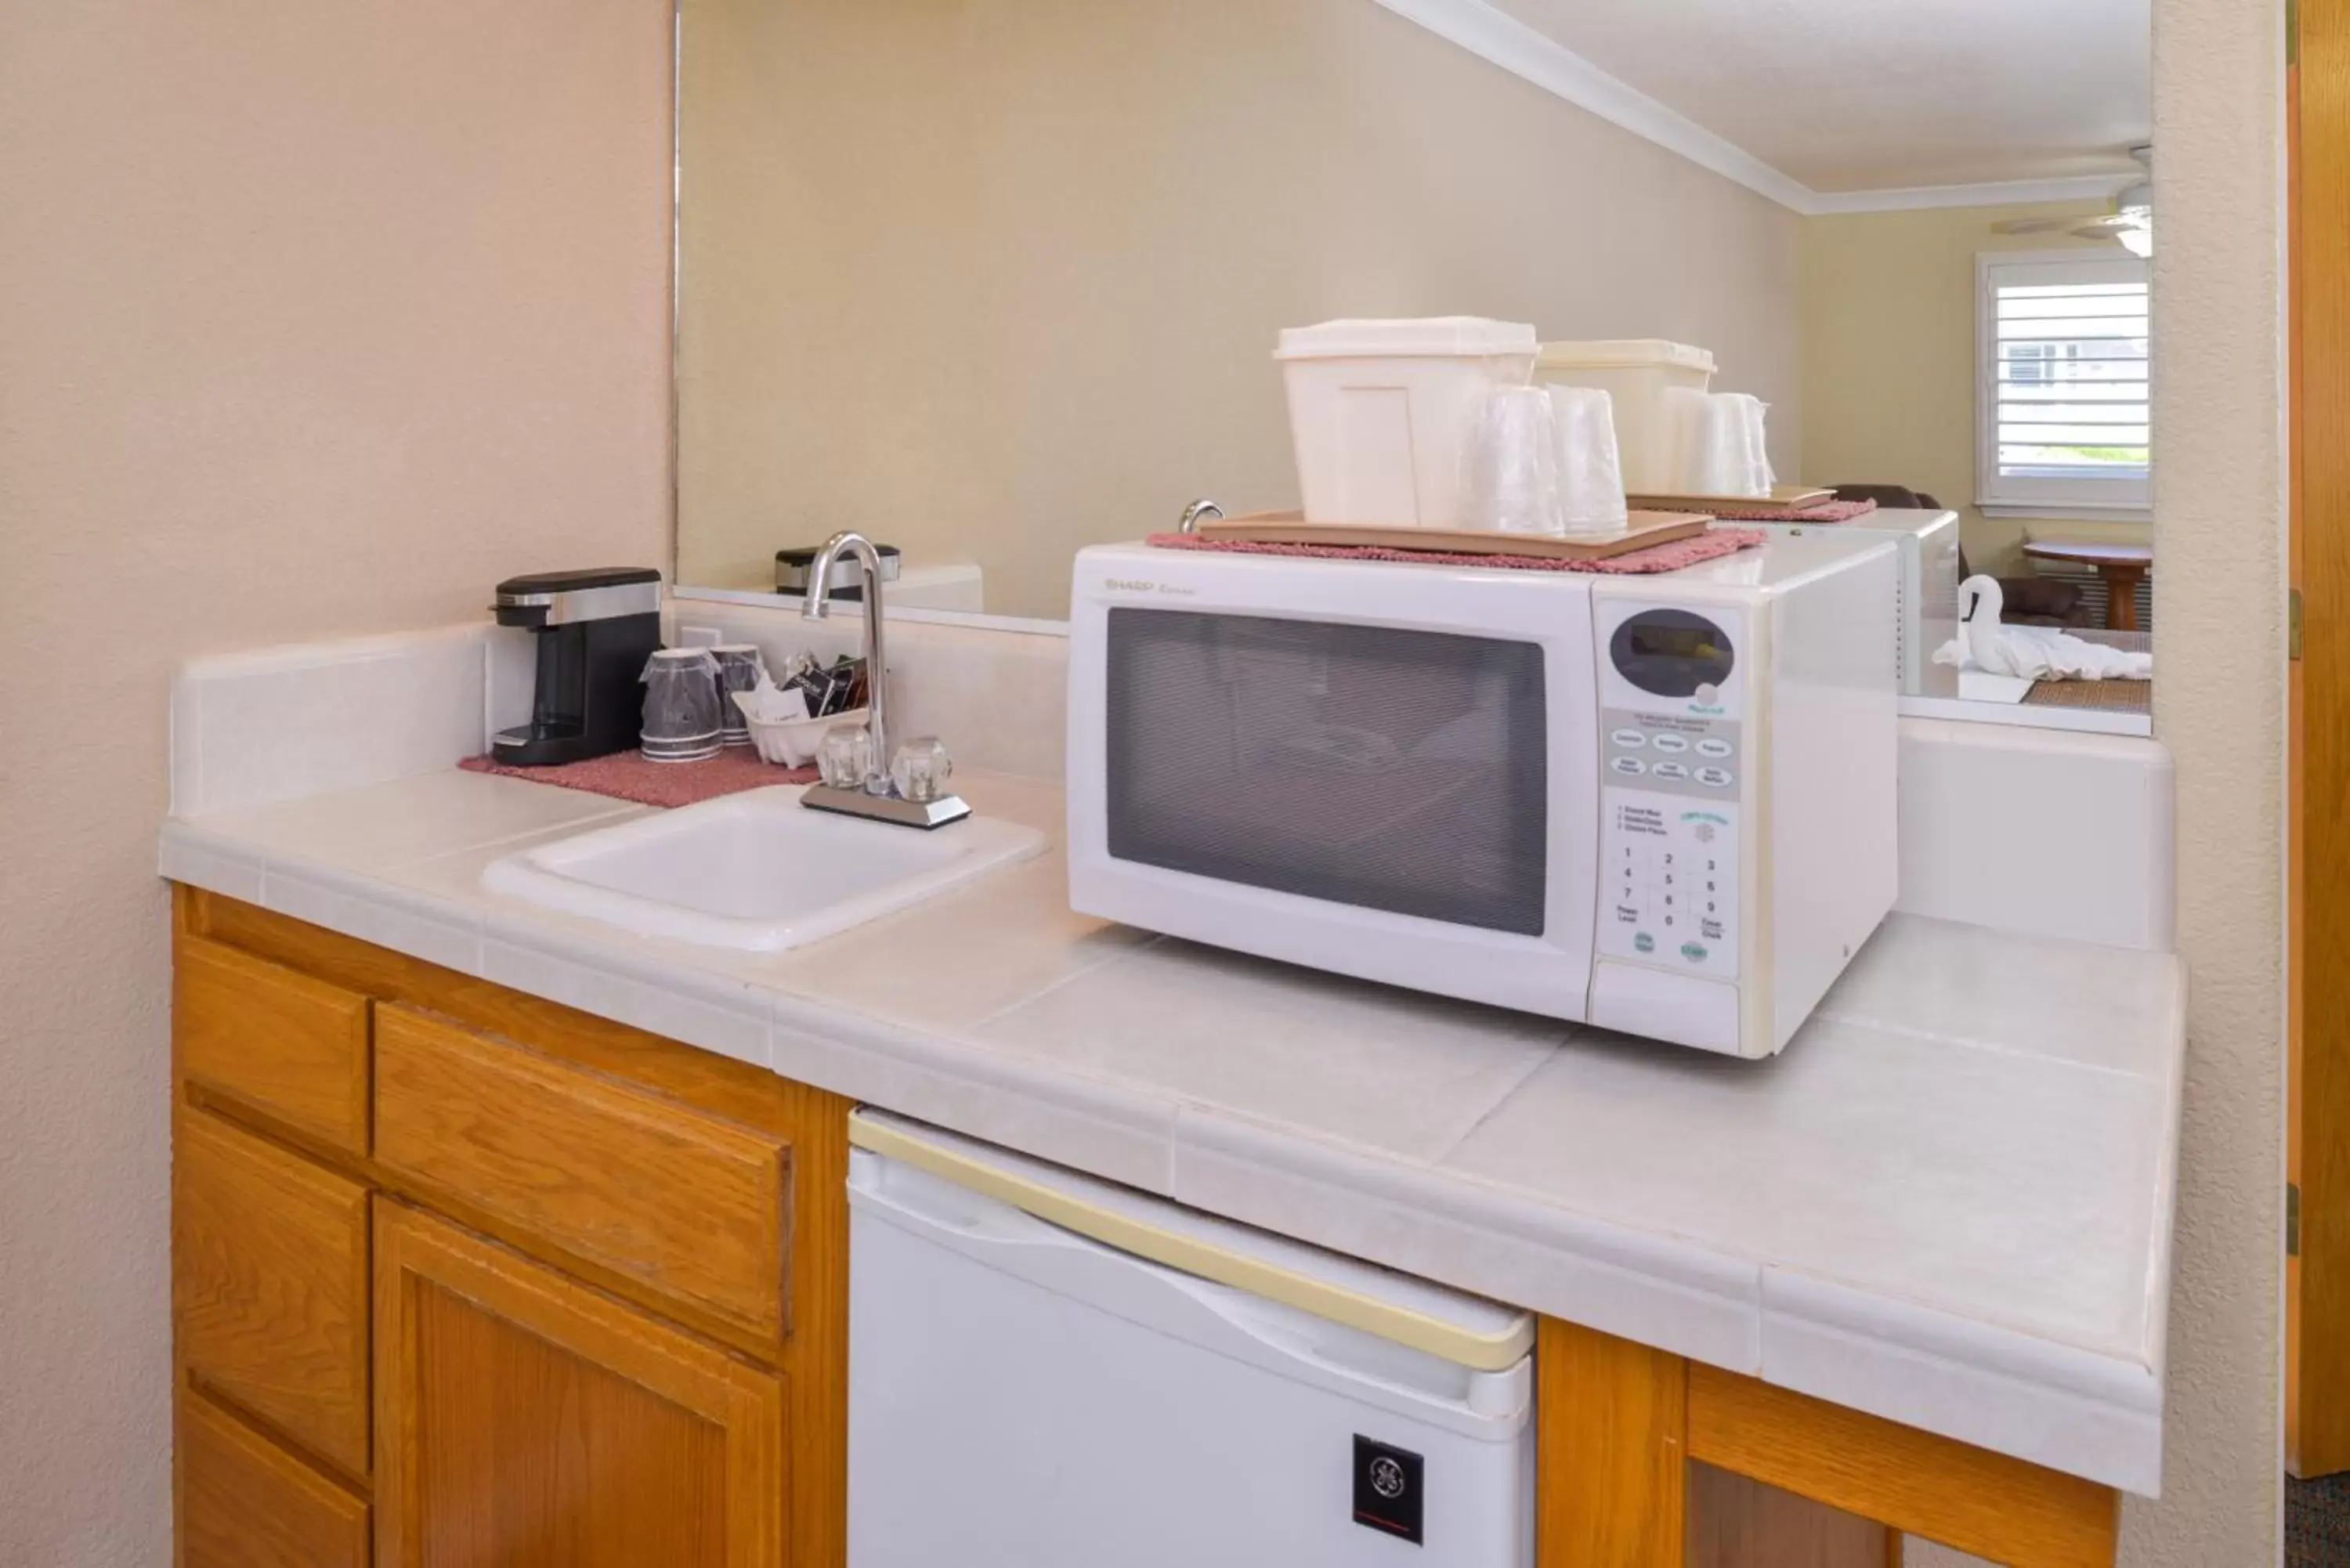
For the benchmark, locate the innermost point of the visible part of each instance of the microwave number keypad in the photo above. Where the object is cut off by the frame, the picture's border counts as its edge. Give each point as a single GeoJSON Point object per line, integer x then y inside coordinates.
{"type": "Point", "coordinates": [1668, 841]}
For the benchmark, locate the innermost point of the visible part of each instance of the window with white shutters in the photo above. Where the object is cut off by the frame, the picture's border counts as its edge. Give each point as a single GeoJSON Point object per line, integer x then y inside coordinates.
{"type": "Point", "coordinates": [2062, 407]}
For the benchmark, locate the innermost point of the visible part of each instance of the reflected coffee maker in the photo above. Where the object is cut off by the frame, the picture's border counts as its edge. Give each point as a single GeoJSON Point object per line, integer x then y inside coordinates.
{"type": "Point", "coordinates": [593, 630]}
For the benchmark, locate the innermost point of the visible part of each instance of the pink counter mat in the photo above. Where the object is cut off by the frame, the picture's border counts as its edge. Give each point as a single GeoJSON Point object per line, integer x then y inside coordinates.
{"type": "Point", "coordinates": [627, 775]}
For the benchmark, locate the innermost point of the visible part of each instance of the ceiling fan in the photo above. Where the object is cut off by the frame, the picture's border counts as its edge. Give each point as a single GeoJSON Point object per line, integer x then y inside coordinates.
{"type": "Point", "coordinates": [2131, 221]}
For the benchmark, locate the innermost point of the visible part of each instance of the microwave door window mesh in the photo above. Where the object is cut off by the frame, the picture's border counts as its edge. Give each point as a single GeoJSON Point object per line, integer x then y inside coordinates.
{"type": "Point", "coordinates": [1400, 771]}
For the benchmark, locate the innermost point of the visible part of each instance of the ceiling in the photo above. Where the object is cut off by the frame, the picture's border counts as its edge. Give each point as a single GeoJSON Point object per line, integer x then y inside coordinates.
{"type": "Point", "coordinates": [1863, 95]}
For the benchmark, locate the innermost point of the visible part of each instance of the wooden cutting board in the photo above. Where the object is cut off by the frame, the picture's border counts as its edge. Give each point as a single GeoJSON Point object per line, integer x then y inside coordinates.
{"type": "Point", "coordinates": [1790, 497]}
{"type": "Point", "coordinates": [1291, 528]}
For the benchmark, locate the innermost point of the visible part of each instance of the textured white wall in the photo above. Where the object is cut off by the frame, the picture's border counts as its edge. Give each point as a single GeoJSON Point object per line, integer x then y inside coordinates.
{"type": "Point", "coordinates": [2219, 599]}
{"type": "Point", "coordinates": [2218, 531]}
{"type": "Point", "coordinates": [314, 319]}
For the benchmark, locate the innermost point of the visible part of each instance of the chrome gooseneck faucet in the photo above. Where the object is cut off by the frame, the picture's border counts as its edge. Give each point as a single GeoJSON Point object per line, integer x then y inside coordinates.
{"type": "Point", "coordinates": [878, 798]}
{"type": "Point", "coordinates": [818, 605]}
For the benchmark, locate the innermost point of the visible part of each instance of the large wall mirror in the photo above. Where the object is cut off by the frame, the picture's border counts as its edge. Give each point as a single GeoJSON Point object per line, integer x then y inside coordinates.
{"type": "Point", "coordinates": [993, 281]}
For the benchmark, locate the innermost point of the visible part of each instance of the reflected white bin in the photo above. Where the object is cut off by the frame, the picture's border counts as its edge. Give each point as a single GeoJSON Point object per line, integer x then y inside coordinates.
{"type": "Point", "coordinates": [1635, 373]}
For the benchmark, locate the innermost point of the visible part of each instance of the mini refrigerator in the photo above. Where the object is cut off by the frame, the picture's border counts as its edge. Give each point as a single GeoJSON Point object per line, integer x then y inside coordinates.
{"type": "Point", "coordinates": [1050, 1371]}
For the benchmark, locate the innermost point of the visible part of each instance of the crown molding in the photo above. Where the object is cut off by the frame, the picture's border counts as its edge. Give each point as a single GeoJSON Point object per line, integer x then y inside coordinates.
{"type": "Point", "coordinates": [1494, 36]}
{"type": "Point", "coordinates": [1532, 55]}
{"type": "Point", "coordinates": [1995, 193]}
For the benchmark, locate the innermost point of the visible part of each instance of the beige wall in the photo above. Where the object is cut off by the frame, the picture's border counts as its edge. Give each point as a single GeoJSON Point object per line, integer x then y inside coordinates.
{"type": "Point", "coordinates": [314, 319]}
{"type": "Point", "coordinates": [997, 281]}
{"type": "Point", "coordinates": [1889, 360]}
{"type": "Point", "coordinates": [2219, 599]}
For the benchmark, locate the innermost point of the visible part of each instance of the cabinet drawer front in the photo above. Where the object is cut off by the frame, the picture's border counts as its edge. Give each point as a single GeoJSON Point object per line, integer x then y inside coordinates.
{"type": "Point", "coordinates": [291, 1048]}
{"type": "Point", "coordinates": [269, 1285]}
{"type": "Point", "coordinates": [247, 1504]}
{"type": "Point", "coordinates": [684, 1203]}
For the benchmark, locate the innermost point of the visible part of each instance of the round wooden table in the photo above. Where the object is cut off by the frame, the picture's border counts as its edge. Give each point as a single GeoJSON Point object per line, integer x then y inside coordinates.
{"type": "Point", "coordinates": [2123, 566]}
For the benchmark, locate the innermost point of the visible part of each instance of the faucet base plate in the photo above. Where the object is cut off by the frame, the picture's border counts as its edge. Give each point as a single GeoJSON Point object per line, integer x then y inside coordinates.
{"type": "Point", "coordinates": [929, 813]}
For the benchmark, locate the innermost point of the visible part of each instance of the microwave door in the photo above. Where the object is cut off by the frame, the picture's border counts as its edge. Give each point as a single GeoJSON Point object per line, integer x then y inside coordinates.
{"type": "Point", "coordinates": [1381, 769]}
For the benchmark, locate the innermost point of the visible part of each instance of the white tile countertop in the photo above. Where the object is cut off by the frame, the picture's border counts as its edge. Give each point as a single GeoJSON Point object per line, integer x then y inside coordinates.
{"type": "Point", "coordinates": [1947, 1202]}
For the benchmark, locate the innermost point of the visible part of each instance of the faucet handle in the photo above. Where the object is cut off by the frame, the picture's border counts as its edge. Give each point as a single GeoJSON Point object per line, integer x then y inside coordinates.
{"type": "Point", "coordinates": [920, 769]}
{"type": "Point", "coordinates": [844, 757]}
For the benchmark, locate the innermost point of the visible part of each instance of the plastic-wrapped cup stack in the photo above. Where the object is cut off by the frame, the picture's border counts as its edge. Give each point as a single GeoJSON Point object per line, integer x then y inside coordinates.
{"type": "Point", "coordinates": [1590, 475]}
{"type": "Point", "coordinates": [1513, 467]}
{"type": "Point", "coordinates": [1720, 449]}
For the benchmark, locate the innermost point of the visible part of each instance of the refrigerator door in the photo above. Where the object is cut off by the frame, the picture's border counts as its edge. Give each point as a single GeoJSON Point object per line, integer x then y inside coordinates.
{"type": "Point", "coordinates": [1024, 1396]}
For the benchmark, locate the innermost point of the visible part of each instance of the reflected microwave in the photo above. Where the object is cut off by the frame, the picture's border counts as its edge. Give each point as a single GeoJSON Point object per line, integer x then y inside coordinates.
{"type": "Point", "coordinates": [1661, 804]}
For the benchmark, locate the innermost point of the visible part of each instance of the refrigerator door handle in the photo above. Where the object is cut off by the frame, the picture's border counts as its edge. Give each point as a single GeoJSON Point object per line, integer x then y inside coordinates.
{"type": "Point", "coordinates": [970, 1221]}
{"type": "Point", "coordinates": [933, 1205]}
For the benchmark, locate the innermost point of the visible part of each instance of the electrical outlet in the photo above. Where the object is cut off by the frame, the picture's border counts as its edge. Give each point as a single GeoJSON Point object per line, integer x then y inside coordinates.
{"type": "Point", "coordinates": [699, 637]}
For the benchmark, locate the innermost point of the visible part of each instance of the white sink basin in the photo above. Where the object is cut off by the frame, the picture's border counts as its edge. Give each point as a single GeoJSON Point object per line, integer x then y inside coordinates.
{"type": "Point", "coordinates": [757, 871]}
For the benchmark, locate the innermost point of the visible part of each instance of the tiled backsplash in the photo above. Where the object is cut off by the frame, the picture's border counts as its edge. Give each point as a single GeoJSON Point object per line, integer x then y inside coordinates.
{"type": "Point", "coordinates": [280, 724]}
{"type": "Point", "coordinates": [249, 729]}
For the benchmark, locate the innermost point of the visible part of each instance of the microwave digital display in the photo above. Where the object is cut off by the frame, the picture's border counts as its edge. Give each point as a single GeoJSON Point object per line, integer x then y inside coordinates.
{"type": "Point", "coordinates": [1672, 652]}
{"type": "Point", "coordinates": [1674, 642]}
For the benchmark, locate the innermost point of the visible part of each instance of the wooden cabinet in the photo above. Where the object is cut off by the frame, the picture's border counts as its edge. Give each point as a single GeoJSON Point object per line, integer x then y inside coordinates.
{"type": "Point", "coordinates": [526, 1421]}
{"type": "Point", "coordinates": [247, 1504]}
{"type": "Point", "coordinates": [464, 1278]}
{"type": "Point", "coordinates": [269, 1286]}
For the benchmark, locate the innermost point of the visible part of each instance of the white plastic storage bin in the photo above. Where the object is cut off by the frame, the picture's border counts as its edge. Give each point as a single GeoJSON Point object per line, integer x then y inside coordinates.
{"type": "Point", "coordinates": [1078, 1392]}
{"type": "Point", "coordinates": [1635, 373]}
{"type": "Point", "coordinates": [1381, 412]}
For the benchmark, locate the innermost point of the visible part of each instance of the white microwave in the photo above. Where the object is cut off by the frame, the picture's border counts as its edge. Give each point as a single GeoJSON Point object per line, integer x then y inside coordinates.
{"type": "Point", "coordinates": [1926, 597]}
{"type": "Point", "coordinates": [1662, 804]}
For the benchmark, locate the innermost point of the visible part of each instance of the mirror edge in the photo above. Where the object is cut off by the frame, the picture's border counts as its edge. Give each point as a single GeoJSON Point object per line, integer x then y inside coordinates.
{"type": "Point", "coordinates": [752, 599]}
{"type": "Point", "coordinates": [2076, 721]}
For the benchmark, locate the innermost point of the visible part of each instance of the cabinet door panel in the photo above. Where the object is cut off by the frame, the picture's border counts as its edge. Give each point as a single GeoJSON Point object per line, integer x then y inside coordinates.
{"type": "Point", "coordinates": [691, 1205]}
{"type": "Point", "coordinates": [527, 1421]}
{"type": "Point", "coordinates": [247, 1504]}
{"type": "Point", "coordinates": [291, 1048]}
{"type": "Point", "coordinates": [269, 1285]}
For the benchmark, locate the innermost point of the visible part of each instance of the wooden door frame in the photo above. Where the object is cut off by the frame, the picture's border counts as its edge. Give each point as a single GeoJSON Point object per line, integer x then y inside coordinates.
{"type": "Point", "coordinates": [2317, 765]}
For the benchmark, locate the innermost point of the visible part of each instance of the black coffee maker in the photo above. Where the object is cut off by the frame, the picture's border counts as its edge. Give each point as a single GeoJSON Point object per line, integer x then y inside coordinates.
{"type": "Point", "coordinates": [594, 629]}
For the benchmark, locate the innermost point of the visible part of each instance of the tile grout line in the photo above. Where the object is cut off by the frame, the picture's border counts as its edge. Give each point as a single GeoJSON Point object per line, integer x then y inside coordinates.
{"type": "Point", "coordinates": [1079, 972]}
{"type": "Point", "coordinates": [1969, 1043]}
{"type": "Point", "coordinates": [1436, 1161]}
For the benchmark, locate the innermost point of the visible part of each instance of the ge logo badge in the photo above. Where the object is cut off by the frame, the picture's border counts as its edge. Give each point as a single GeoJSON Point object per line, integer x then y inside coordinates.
{"type": "Point", "coordinates": [1387, 1488]}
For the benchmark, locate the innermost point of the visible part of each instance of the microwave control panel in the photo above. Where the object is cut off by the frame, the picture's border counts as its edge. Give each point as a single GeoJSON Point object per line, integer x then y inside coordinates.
{"type": "Point", "coordinates": [1668, 841]}
{"type": "Point", "coordinates": [1672, 773]}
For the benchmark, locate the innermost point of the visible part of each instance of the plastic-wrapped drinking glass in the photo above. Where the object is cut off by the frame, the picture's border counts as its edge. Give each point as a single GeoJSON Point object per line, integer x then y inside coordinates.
{"type": "Point", "coordinates": [741, 667]}
{"type": "Point", "coordinates": [920, 769]}
{"type": "Point", "coordinates": [1721, 445]}
{"type": "Point", "coordinates": [1590, 475]}
{"type": "Point", "coordinates": [1512, 464]}
{"type": "Point", "coordinates": [844, 758]}
{"type": "Point", "coordinates": [681, 713]}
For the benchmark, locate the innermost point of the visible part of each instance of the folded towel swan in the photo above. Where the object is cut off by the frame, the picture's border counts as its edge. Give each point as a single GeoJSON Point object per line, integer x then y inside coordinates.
{"type": "Point", "coordinates": [2033, 652]}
